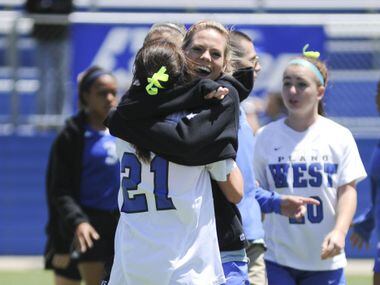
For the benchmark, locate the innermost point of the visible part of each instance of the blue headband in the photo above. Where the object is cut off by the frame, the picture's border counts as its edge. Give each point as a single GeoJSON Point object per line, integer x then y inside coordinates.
{"type": "Point", "coordinates": [310, 66]}
{"type": "Point", "coordinates": [88, 81]}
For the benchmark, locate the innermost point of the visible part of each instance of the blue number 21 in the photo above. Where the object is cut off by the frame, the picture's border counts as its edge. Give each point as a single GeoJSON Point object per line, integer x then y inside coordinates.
{"type": "Point", "coordinates": [138, 202]}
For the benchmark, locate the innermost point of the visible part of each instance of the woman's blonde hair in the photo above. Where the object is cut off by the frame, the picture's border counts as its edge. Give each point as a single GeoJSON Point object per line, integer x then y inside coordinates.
{"type": "Point", "coordinates": [212, 25]}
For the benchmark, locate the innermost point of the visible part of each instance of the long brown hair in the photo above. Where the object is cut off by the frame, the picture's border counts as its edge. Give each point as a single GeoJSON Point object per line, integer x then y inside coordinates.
{"type": "Point", "coordinates": [321, 66]}
{"type": "Point", "coordinates": [157, 53]}
{"type": "Point", "coordinates": [149, 59]}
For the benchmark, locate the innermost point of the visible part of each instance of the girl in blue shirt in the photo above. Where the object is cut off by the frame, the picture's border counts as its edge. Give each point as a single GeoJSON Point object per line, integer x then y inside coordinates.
{"type": "Point", "coordinates": [366, 222]}
{"type": "Point", "coordinates": [82, 187]}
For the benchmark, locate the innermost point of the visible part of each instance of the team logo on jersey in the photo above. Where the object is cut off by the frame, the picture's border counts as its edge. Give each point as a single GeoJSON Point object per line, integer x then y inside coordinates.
{"type": "Point", "coordinates": [304, 174]}
{"type": "Point", "coordinates": [191, 115]}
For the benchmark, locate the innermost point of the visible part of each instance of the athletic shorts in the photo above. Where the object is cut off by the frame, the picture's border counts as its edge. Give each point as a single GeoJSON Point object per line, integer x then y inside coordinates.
{"type": "Point", "coordinates": [236, 273]}
{"type": "Point", "coordinates": [278, 274]}
{"type": "Point", "coordinates": [70, 272]}
{"type": "Point", "coordinates": [105, 224]}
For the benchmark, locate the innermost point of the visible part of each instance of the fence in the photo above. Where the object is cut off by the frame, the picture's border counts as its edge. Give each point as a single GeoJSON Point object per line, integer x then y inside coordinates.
{"type": "Point", "coordinates": [197, 6]}
{"type": "Point", "coordinates": [349, 43]}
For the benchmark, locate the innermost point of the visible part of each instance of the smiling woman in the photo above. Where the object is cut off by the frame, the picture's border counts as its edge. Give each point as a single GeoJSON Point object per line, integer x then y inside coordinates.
{"type": "Point", "coordinates": [206, 47]}
{"type": "Point", "coordinates": [195, 133]}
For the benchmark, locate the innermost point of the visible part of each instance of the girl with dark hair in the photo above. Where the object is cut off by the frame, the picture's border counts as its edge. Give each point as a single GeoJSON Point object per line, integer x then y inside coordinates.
{"type": "Point", "coordinates": [82, 185]}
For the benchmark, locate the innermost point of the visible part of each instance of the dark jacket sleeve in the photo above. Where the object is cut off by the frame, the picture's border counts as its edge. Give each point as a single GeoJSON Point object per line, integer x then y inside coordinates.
{"type": "Point", "coordinates": [137, 104]}
{"type": "Point", "coordinates": [206, 135]}
{"type": "Point", "coordinates": [241, 80]}
{"type": "Point", "coordinates": [64, 183]}
{"type": "Point", "coordinates": [58, 241]}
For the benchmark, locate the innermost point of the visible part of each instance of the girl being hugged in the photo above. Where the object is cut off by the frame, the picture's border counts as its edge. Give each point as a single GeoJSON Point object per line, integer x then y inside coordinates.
{"type": "Point", "coordinates": [167, 212]}
{"type": "Point", "coordinates": [309, 155]}
{"type": "Point", "coordinates": [205, 131]}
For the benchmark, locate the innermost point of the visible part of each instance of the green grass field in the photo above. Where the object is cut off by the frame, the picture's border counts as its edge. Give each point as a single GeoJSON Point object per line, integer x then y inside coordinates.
{"type": "Point", "coordinates": [41, 277]}
{"type": "Point", "coordinates": [26, 277]}
{"type": "Point", "coordinates": [359, 279]}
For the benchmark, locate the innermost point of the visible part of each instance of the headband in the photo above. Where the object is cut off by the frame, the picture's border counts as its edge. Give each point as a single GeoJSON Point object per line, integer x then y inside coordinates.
{"type": "Point", "coordinates": [88, 81]}
{"type": "Point", "coordinates": [308, 64]}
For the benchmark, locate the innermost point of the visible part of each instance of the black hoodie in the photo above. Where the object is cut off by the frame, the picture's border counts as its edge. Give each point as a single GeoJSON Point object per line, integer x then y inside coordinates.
{"type": "Point", "coordinates": [63, 185]}
{"type": "Point", "coordinates": [208, 136]}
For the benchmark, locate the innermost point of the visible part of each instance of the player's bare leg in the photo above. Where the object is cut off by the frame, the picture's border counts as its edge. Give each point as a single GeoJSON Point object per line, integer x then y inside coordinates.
{"type": "Point", "coordinates": [376, 278]}
{"type": "Point", "coordinates": [59, 280]}
{"type": "Point", "coordinates": [92, 272]}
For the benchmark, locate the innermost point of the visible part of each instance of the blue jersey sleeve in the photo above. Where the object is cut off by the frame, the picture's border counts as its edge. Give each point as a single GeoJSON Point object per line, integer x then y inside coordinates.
{"type": "Point", "coordinates": [269, 201]}
{"type": "Point", "coordinates": [365, 223]}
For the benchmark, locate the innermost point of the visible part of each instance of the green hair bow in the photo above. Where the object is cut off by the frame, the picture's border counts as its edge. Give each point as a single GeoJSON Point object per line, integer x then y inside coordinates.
{"type": "Point", "coordinates": [310, 54]}
{"type": "Point", "coordinates": [154, 81]}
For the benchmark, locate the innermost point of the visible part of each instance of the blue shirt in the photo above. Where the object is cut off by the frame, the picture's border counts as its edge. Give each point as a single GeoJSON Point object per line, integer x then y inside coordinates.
{"type": "Point", "coordinates": [365, 223]}
{"type": "Point", "coordinates": [100, 171]}
{"type": "Point", "coordinates": [255, 198]}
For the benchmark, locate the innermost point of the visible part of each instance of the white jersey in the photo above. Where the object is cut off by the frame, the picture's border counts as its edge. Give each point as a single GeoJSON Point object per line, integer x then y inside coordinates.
{"type": "Point", "coordinates": [166, 232]}
{"type": "Point", "coordinates": [313, 163]}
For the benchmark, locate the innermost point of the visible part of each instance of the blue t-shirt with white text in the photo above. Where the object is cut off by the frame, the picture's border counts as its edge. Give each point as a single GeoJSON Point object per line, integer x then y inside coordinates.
{"type": "Point", "coordinates": [100, 171]}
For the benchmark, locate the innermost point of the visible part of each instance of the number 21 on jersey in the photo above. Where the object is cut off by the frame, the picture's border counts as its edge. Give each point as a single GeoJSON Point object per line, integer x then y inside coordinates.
{"type": "Point", "coordinates": [138, 203]}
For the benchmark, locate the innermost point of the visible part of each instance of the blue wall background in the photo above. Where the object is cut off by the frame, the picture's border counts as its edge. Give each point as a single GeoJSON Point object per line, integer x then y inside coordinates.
{"type": "Point", "coordinates": [23, 212]}
{"type": "Point", "coordinates": [23, 158]}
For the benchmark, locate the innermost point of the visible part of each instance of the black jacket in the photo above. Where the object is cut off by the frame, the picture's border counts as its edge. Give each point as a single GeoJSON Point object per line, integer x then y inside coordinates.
{"type": "Point", "coordinates": [209, 136]}
{"type": "Point", "coordinates": [63, 185]}
{"type": "Point", "coordinates": [136, 104]}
